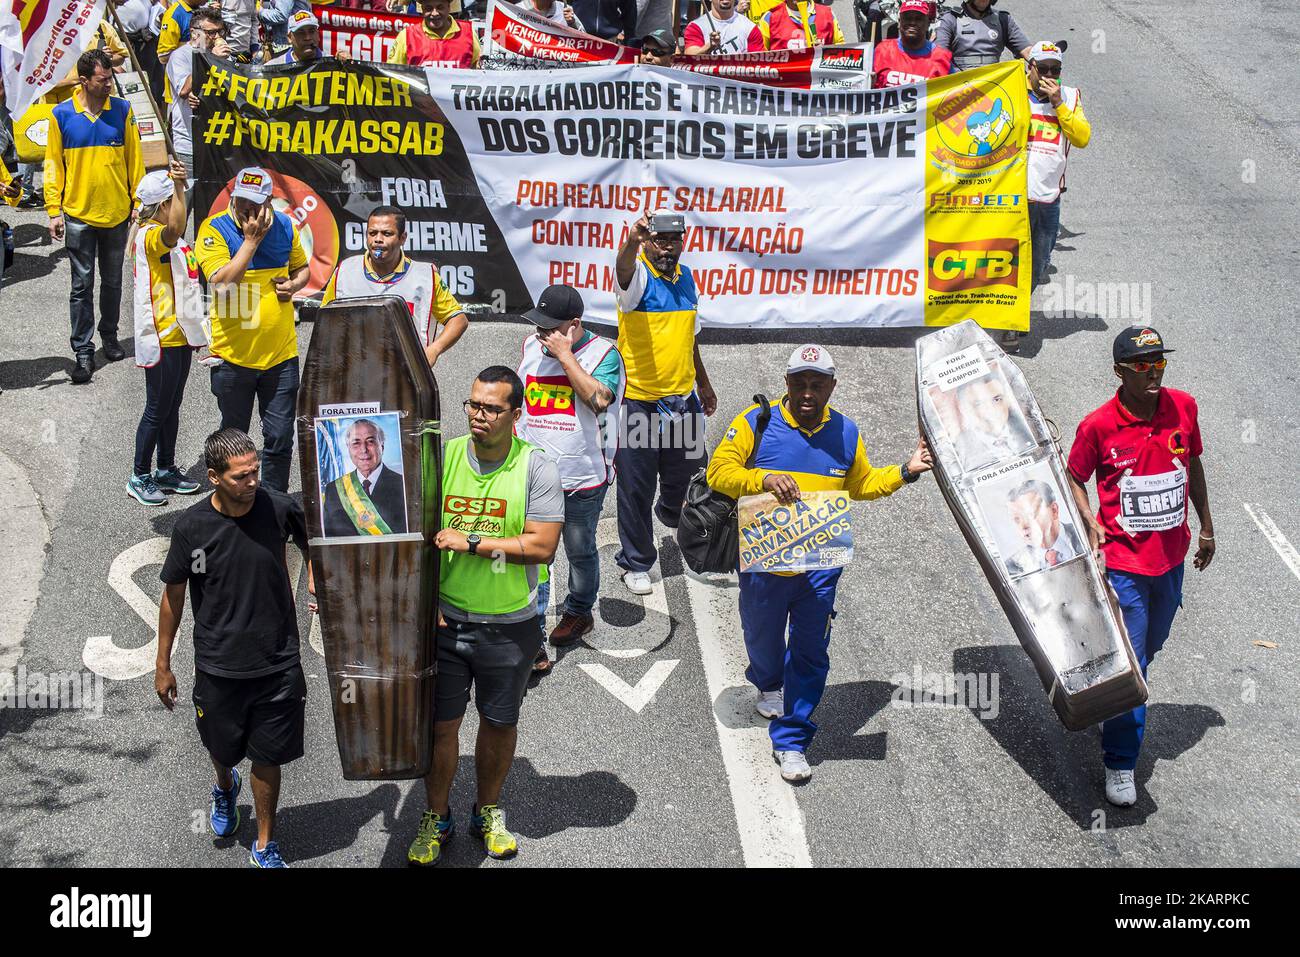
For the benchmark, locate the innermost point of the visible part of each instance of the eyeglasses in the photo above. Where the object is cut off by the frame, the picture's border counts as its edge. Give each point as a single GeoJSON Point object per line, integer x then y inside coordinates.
{"type": "Point", "coordinates": [491, 412]}
{"type": "Point", "coordinates": [1144, 366]}
{"type": "Point", "coordinates": [213, 34]}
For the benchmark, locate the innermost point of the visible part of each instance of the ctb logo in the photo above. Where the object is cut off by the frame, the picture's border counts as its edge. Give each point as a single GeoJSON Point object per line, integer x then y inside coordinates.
{"type": "Point", "coordinates": [974, 263]}
{"type": "Point", "coordinates": [549, 395]}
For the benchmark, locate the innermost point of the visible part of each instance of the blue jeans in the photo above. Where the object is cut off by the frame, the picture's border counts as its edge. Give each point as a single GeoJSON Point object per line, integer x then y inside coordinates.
{"type": "Point", "coordinates": [1149, 603]}
{"type": "Point", "coordinates": [87, 245]}
{"type": "Point", "coordinates": [276, 392]}
{"type": "Point", "coordinates": [581, 515]}
{"type": "Point", "coordinates": [1044, 224]}
{"type": "Point", "coordinates": [806, 603]}
{"type": "Point", "coordinates": [164, 388]}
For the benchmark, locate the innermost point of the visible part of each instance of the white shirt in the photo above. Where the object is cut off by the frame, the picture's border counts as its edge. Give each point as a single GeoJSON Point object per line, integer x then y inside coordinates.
{"type": "Point", "coordinates": [556, 15]}
{"type": "Point", "coordinates": [372, 478]}
{"type": "Point", "coordinates": [134, 15]}
{"type": "Point", "coordinates": [180, 66]}
{"type": "Point", "coordinates": [239, 15]}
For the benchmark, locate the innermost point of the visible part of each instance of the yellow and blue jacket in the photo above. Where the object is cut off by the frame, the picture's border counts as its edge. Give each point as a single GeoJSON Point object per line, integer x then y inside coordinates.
{"type": "Point", "coordinates": [828, 458]}
{"type": "Point", "coordinates": [92, 163]}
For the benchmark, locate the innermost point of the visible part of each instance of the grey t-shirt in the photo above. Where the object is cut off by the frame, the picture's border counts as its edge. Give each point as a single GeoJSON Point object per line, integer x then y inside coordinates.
{"type": "Point", "coordinates": [545, 504]}
{"type": "Point", "coordinates": [973, 41]}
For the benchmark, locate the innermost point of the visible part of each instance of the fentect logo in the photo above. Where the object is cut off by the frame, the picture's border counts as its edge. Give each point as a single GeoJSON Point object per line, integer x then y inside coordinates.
{"type": "Point", "coordinates": [74, 910]}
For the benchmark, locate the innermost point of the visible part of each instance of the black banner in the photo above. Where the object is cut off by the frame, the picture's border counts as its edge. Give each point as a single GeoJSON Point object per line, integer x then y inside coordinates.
{"type": "Point", "coordinates": [339, 141]}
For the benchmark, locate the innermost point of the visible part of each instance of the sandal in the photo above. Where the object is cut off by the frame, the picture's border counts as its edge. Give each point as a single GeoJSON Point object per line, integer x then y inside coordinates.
{"type": "Point", "coordinates": [542, 664]}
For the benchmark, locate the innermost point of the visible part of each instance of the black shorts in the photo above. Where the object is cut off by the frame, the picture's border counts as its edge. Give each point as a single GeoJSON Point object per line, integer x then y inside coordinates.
{"type": "Point", "coordinates": [497, 659]}
{"type": "Point", "coordinates": [258, 718]}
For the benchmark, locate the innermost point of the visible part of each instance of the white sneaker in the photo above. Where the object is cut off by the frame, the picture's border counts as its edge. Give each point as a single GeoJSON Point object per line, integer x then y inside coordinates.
{"type": "Point", "coordinates": [1121, 790]}
{"type": "Point", "coordinates": [770, 704]}
{"type": "Point", "coordinates": [794, 766]}
{"type": "Point", "coordinates": [638, 583]}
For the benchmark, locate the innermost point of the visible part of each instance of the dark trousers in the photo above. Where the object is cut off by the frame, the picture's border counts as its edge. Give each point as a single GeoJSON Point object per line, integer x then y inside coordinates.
{"type": "Point", "coordinates": [146, 51]}
{"type": "Point", "coordinates": [654, 450]}
{"type": "Point", "coordinates": [86, 246]}
{"type": "Point", "coordinates": [276, 392]}
{"type": "Point", "coordinates": [164, 388]}
{"type": "Point", "coordinates": [1044, 225]}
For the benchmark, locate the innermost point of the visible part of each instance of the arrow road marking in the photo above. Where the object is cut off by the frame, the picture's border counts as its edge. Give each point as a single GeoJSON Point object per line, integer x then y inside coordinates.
{"type": "Point", "coordinates": [635, 696]}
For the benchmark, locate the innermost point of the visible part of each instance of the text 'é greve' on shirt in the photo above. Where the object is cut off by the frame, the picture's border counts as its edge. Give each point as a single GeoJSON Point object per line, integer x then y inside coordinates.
{"type": "Point", "coordinates": [1142, 479]}
{"type": "Point", "coordinates": [251, 327]}
{"type": "Point", "coordinates": [245, 618]}
{"type": "Point", "coordinates": [93, 162]}
{"type": "Point", "coordinates": [830, 457]}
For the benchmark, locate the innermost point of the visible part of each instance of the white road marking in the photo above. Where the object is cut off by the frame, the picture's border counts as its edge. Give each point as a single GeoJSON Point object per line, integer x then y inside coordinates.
{"type": "Point", "coordinates": [105, 657]}
{"type": "Point", "coordinates": [768, 815]}
{"type": "Point", "coordinates": [101, 654]}
{"type": "Point", "coordinates": [1285, 550]}
{"type": "Point", "coordinates": [635, 696]}
{"type": "Point", "coordinates": [26, 535]}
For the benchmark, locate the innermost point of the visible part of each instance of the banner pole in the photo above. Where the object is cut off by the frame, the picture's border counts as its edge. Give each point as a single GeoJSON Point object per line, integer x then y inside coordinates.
{"type": "Point", "coordinates": [164, 122]}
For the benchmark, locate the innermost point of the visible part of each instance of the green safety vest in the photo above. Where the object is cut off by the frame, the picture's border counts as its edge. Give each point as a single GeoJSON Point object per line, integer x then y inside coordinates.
{"type": "Point", "coordinates": [492, 506]}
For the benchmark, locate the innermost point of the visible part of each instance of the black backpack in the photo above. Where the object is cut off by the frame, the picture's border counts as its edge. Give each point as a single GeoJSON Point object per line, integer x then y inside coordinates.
{"type": "Point", "coordinates": [707, 533]}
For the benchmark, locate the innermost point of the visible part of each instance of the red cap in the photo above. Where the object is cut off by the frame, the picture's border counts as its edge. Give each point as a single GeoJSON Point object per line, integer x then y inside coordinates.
{"type": "Point", "coordinates": [917, 6]}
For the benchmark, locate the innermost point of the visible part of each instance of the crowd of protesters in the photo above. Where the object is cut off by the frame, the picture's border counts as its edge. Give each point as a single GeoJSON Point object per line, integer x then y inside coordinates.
{"type": "Point", "coordinates": [552, 475]}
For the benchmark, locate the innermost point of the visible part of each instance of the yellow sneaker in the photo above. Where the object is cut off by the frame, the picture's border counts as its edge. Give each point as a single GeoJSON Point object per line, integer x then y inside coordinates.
{"type": "Point", "coordinates": [489, 823]}
{"type": "Point", "coordinates": [427, 846]}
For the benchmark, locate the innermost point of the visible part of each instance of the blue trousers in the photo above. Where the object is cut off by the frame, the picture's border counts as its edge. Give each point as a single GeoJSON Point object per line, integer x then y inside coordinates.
{"type": "Point", "coordinates": [1044, 225]}
{"type": "Point", "coordinates": [802, 606]}
{"type": "Point", "coordinates": [1148, 603]}
{"type": "Point", "coordinates": [581, 516]}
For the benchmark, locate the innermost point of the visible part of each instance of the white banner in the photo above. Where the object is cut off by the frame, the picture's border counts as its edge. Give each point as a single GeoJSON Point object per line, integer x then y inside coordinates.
{"type": "Point", "coordinates": [802, 208]}
{"type": "Point", "coordinates": [40, 41]}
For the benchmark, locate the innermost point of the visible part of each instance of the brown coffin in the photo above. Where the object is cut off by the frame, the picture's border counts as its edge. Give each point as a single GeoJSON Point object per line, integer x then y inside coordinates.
{"type": "Point", "coordinates": [377, 595]}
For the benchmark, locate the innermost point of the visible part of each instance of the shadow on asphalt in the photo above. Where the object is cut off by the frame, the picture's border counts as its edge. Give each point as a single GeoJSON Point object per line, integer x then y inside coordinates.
{"type": "Point", "coordinates": [536, 805]}
{"type": "Point", "coordinates": [32, 373]}
{"type": "Point", "coordinates": [843, 711]}
{"type": "Point", "coordinates": [1068, 765]}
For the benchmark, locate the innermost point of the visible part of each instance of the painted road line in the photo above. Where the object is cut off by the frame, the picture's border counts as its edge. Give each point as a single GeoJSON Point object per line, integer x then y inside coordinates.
{"type": "Point", "coordinates": [1286, 551]}
{"type": "Point", "coordinates": [767, 812]}
{"type": "Point", "coordinates": [26, 536]}
{"type": "Point", "coordinates": [104, 656]}
{"type": "Point", "coordinates": [635, 696]}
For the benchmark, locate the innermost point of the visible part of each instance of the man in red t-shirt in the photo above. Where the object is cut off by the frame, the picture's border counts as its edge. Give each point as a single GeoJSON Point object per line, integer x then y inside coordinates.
{"type": "Point", "coordinates": [1144, 446]}
{"type": "Point", "coordinates": [912, 57]}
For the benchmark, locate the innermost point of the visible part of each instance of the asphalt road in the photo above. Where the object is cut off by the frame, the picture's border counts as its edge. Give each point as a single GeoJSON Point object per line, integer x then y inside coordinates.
{"type": "Point", "coordinates": [642, 748]}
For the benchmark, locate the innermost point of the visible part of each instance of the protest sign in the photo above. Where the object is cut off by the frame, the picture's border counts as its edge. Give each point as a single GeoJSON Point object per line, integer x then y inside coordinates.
{"type": "Point", "coordinates": [894, 207]}
{"type": "Point", "coordinates": [40, 41]}
{"type": "Point", "coordinates": [814, 532]}
{"type": "Point", "coordinates": [362, 34]}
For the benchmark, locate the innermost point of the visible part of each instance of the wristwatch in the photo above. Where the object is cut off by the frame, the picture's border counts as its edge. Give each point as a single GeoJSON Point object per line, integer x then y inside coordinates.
{"type": "Point", "coordinates": [472, 541]}
{"type": "Point", "coordinates": [908, 476]}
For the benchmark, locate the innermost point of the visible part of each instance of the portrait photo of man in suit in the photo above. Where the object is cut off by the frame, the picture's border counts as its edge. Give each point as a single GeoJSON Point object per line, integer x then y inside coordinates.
{"type": "Point", "coordinates": [371, 498]}
{"type": "Point", "coordinates": [1046, 539]}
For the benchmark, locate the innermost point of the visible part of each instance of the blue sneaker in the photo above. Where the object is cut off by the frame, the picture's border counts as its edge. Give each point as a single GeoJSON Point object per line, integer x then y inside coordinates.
{"type": "Point", "coordinates": [269, 856]}
{"type": "Point", "coordinates": [224, 813]}
{"type": "Point", "coordinates": [174, 480]}
{"type": "Point", "coordinates": [144, 490]}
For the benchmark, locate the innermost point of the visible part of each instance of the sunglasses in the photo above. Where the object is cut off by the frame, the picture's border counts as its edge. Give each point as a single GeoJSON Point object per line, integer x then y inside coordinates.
{"type": "Point", "coordinates": [1045, 70]}
{"type": "Point", "coordinates": [1144, 366]}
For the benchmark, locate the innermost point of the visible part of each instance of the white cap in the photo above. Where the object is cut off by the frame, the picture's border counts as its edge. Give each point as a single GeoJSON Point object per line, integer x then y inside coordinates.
{"type": "Point", "coordinates": [154, 188]}
{"type": "Point", "coordinates": [302, 18]}
{"type": "Point", "coordinates": [252, 183]}
{"type": "Point", "coordinates": [1045, 50]}
{"type": "Point", "coordinates": [810, 358]}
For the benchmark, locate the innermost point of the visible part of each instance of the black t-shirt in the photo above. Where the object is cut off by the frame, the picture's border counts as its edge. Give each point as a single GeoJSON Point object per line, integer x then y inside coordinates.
{"type": "Point", "coordinates": [245, 622]}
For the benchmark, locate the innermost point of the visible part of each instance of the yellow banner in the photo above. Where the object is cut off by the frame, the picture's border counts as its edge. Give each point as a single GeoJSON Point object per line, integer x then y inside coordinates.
{"type": "Point", "coordinates": [977, 207]}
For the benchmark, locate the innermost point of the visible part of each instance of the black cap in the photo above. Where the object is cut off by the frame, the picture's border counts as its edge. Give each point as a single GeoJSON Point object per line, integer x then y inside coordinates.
{"type": "Point", "coordinates": [663, 39]}
{"type": "Point", "coordinates": [556, 304]}
{"type": "Point", "coordinates": [1138, 341]}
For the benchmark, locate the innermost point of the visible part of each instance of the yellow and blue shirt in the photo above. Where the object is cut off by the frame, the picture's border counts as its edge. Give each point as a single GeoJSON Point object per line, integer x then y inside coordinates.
{"type": "Point", "coordinates": [658, 317]}
{"type": "Point", "coordinates": [828, 458]}
{"type": "Point", "coordinates": [251, 327]}
{"type": "Point", "coordinates": [93, 162]}
{"type": "Point", "coordinates": [174, 32]}
{"type": "Point", "coordinates": [159, 255]}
